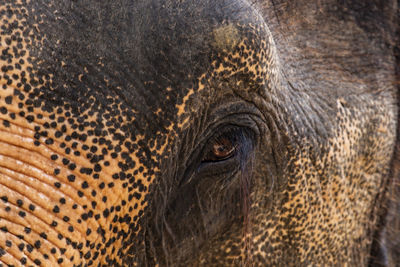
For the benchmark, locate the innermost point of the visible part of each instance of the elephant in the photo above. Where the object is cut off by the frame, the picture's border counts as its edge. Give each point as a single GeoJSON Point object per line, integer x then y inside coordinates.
{"type": "Point", "coordinates": [199, 133]}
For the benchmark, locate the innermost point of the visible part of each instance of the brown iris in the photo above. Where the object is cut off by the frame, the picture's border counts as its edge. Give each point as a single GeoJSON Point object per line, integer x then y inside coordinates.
{"type": "Point", "coordinates": [221, 149]}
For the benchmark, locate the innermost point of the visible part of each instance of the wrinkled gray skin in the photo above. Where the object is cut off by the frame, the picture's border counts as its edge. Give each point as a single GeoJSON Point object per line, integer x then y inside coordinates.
{"type": "Point", "coordinates": [199, 133]}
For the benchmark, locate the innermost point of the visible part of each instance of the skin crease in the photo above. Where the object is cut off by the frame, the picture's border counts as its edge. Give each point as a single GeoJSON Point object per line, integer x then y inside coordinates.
{"type": "Point", "coordinates": [110, 110]}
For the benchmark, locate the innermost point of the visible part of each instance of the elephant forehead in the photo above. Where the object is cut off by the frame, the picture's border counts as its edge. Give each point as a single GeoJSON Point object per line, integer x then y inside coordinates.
{"type": "Point", "coordinates": [148, 56]}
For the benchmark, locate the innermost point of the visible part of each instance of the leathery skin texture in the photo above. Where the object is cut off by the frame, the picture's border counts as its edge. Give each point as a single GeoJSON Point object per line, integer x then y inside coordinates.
{"type": "Point", "coordinates": [199, 133]}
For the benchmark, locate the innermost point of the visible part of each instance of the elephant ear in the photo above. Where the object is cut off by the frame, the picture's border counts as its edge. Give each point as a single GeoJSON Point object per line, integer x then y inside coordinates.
{"type": "Point", "coordinates": [391, 237]}
{"type": "Point", "coordinates": [386, 246]}
{"type": "Point", "coordinates": [377, 18]}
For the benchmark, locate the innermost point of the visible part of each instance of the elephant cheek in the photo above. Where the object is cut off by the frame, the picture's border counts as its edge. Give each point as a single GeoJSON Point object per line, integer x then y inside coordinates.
{"type": "Point", "coordinates": [54, 209]}
{"type": "Point", "coordinates": [36, 227]}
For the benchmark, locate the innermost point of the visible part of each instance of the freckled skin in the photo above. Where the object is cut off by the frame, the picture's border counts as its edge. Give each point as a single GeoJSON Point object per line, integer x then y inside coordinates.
{"type": "Point", "coordinates": [107, 109]}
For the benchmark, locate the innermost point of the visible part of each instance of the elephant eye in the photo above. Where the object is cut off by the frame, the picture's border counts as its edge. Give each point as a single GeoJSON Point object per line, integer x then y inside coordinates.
{"type": "Point", "coordinates": [223, 147]}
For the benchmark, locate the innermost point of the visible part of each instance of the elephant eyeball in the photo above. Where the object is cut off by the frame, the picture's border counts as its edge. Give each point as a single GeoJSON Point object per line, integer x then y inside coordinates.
{"type": "Point", "coordinates": [222, 149]}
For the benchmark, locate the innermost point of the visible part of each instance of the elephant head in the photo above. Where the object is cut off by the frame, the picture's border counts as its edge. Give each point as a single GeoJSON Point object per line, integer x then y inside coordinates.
{"type": "Point", "coordinates": [198, 132]}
